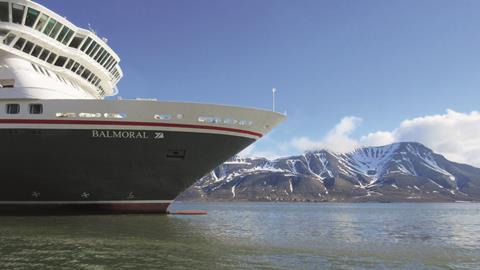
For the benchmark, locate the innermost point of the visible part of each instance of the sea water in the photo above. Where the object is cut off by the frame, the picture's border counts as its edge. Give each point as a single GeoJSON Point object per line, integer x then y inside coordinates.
{"type": "Point", "coordinates": [251, 236]}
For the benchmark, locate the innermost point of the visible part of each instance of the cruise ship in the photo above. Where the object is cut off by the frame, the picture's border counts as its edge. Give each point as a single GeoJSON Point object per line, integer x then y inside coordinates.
{"type": "Point", "coordinates": [68, 149]}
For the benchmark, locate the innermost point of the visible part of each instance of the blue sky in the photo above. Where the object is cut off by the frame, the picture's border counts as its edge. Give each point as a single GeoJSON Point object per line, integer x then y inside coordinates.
{"type": "Point", "coordinates": [375, 60]}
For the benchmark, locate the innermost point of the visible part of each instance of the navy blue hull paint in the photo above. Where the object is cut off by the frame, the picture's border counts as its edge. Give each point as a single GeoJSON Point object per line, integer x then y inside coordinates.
{"type": "Point", "coordinates": [80, 165]}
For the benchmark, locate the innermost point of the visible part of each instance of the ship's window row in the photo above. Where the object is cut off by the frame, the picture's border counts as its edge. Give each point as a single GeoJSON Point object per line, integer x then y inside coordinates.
{"type": "Point", "coordinates": [91, 115]}
{"type": "Point", "coordinates": [14, 108]}
{"type": "Point", "coordinates": [43, 23]}
{"type": "Point", "coordinates": [168, 117]}
{"type": "Point", "coordinates": [226, 121]}
{"type": "Point", "coordinates": [46, 55]}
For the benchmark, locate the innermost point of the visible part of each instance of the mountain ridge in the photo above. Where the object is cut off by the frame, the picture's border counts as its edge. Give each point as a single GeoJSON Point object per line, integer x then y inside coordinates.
{"type": "Point", "coordinates": [399, 172]}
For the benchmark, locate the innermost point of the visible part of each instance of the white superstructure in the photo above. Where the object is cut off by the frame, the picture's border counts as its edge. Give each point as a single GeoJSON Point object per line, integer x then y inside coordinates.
{"type": "Point", "coordinates": [44, 56]}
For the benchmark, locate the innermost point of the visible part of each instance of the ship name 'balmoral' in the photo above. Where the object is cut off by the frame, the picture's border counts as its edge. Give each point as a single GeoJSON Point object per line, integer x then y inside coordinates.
{"type": "Point", "coordinates": [70, 150]}
{"type": "Point", "coordinates": [125, 134]}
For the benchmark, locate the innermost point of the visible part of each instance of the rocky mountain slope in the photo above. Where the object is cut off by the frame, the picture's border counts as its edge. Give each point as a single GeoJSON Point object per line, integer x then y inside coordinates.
{"type": "Point", "coordinates": [400, 172]}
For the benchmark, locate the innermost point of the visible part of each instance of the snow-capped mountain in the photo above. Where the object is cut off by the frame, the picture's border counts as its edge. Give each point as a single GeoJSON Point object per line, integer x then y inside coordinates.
{"type": "Point", "coordinates": [396, 172]}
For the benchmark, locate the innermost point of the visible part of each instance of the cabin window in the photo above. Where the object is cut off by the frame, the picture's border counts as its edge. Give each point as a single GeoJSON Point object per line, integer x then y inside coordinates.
{"type": "Point", "coordinates": [92, 54]}
{"type": "Point", "coordinates": [8, 40]}
{"type": "Point", "coordinates": [55, 30]}
{"type": "Point", "coordinates": [69, 64]}
{"type": "Point", "coordinates": [245, 123]}
{"type": "Point", "coordinates": [109, 63]}
{"type": "Point", "coordinates": [41, 22]}
{"type": "Point", "coordinates": [94, 44]}
{"type": "Point", "coordinates": [86, 73]}
{"type": "Point", "coordinates": [164, 117]}
{"type": "Point", "coordinates": [230, 121]}
{"type": "Point", "coordinates": [100, 59]}
{"type": "Point", "coordinates": [99, 54]}
{"type": "Point", "coordinates": [66, 114]}
{"type": "Point", "coordinates": [28, 47]}
{"type": "Point", "coordinates": [63, 33]}
{"type": "Point", "coordinates": [206, 119]}
{"type": "Point", "coordinates": [76, 41]}
{"type": "Point", "coordinates": [75, 67]}
{"type": "Point", "coordinates": [44, 54]}
{"type": "Point", "coordinates": [32, 16]}
{"type": "Point", "coordinates": [36, 108]}
{"type": "Point", "coordinates": [51, 23]}
{"type": "Point", "coordinates": [115, 115]}
{"type": "Point", "coordinates": [4, 12]}
{"type": "Point", "coordinates": [85, 45]}
{"type": "Point", "coordinates": [104, 59]}
{"type": "Point", "coordinates": [90, 78]}
{"type": "Point", "coordinates": [68, 36]}
{"type": "Point", "coordinates": [13, 108]}
{"type": "Point", "coordinates": [110, 59]}
{"type": "Point", "coordinates": [7, 83]}
{"type": "Point", "coordinates": [61, 61]}
{"type": "Point", "coordinates": [36, 51]}
{"type": "Point", "coordinates": [111, 66]}
{"type": "Point", "coordinates": [80, 70]}
{"type": "Point", "coordinates": [51, 58]}
{"type": "Point", "coordinates": [19, 44]}
{"type": "Point", "coordinates": [17, 13]}
{"type": "Point", "coordinates": [90, 115]}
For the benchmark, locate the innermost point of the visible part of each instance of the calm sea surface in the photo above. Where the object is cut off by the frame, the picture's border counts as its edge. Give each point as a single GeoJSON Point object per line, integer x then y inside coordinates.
{"type": "Point", "coordinates": [251, 235]}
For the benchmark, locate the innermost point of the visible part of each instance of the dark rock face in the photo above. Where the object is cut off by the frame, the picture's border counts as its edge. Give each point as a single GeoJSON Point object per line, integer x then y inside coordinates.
{"type": "Point", "coordinates": [400, 172]}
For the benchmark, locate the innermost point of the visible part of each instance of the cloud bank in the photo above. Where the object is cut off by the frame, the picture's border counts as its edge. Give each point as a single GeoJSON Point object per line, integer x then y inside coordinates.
{"type": "Point", "coordinates": [453, 134]}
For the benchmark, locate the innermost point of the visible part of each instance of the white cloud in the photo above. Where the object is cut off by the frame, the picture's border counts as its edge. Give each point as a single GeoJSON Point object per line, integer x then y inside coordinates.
{"type": "Point", "coordinates": [337, 139]}
{"type": "Point", "coordinates": [377, 138]}
{"type": "Point", "coordinates": [453, 134]}
{"type": "Point", "coordinates": [252, 151]}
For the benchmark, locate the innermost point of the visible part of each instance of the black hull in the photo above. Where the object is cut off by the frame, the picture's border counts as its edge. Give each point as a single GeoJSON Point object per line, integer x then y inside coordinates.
{"type": "Point", "coordinates": [81, 208]}
{"type": "Point", "coordinates": [86, 171]}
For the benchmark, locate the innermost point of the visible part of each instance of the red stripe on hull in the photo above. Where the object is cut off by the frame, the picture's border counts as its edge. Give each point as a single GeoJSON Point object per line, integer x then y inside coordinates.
{"type": "Point", "coordinates": [124, 123]}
